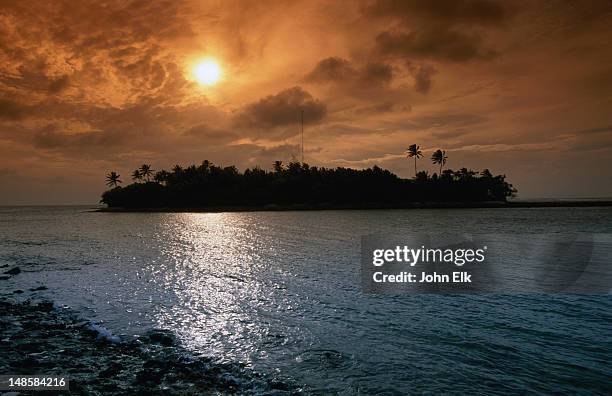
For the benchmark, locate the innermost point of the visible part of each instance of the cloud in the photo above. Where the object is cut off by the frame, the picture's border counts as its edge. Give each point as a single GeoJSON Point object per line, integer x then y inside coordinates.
{"type": "Point", "coordinates": [377, 73]}
{"type": "Point", "coordinates": [336, 70]}
{"type": "Point", "coordinates": [448, 120]}
{"type": "Point", "coordinates": [52, 138]}
{"type": "Point", "coordinates": [446, 30]}
{"type": "Point", "coordinates": [597, 130]}
{"type": "Point", "coordinates": [91, 86]}
{"type": "Point", "coordinates": [451, 134]}
{"type": "Point", "coordinates": [441, 45]}
{"type": "Point", "coordinates": [442, 12]}
{"type": "Point", "coordinates": [422, 75]}
{"type": "Point", "coordinates": [282, 109]}
{"type": "Point", "coordinates": [500, 147]}
{"type": "Point", "coordinates": [332, 69]}
{"type": "Point", "coordinates": [379, 108]}
{"type": "Point", "coordinates": [59, 84]}
{"type": "Point", "coordinates": [210, 135]}
{"type": "Point", "coordinates": [114, 50]}
{"type": "Point", "coordinates": [11, 110]}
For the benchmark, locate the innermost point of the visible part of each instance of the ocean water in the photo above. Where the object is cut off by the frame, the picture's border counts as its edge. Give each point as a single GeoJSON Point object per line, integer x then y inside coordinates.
{"type": "Point", "coordinates": [281, 293]}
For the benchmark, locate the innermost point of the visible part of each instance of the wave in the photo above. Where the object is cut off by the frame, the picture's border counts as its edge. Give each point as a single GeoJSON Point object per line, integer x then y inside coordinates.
{"type": "Point", "coordinates": [104, 333]}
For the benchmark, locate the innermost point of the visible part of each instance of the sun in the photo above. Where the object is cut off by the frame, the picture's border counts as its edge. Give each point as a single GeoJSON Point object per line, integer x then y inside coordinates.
{"type": "Point", "coordinates": [207, 72]}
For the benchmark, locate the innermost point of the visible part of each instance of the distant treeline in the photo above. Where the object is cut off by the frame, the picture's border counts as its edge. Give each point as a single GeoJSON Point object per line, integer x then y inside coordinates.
{"type": "Point", "coordinates": [208, 185]}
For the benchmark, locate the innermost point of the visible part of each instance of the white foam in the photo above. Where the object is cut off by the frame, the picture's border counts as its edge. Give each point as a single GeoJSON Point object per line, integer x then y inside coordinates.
{"type": "Point", "coordinates": [104, 333]}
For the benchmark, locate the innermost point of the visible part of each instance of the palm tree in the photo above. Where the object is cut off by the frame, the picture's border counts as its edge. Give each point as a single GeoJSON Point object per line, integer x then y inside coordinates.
{"type": "Point", "coordinates": [486, 174]}
{"type": "Point", "coordinates": [439, 157]}
{"type": "Point", "coordinates": [465, 174]}
{"type": "Point", "coordinates": [177, 169]}
{"type": "Point", "coordinates": [206, 164]}
{"type": "Point", "coordinates": [146, 171]}
{"type": "Point", "coordinates": [414, 151]}
{"type": "Point", "coordinates": [278, 166]}
{"type": "Point", "coordinates": [161, 177]}
{"type": "Point", "coordinates": [112, 179]}
{"type": "Point", "coordinates": [136, 175]}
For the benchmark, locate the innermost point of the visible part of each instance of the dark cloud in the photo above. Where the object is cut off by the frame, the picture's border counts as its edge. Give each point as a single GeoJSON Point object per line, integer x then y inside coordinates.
{"type": "Point", "coordinates": [377, 73]}
{"type": "Point", "coordinates": [422, 75]}
{"type": "Point", "coordinates": [210, 135]}
{"type": "Point", "coordinates": [341, 71]}
{"type": "Point", "coordinates": [282, 109]}
{"type": "Point", "coordinates": [379, 108]}
{"type": "Point", "coordinates": [11, 110]}
{"type": "Point", "coordinates": [52, 138]}
{"type": "Point", "coordinates": [332, 69]}
{"type": "Point", "coordinates": [446, 30]}
{"type": "Point", "coordinates": [284, 152]}
{"type": "Point", "coordinates": [597, 130]}
{"type": "Point", "coordinates": [59, 84]}
{"type": "Point", "coordinates": [441, 45]}
{"type": "Point", "coordinates": [442, 12]}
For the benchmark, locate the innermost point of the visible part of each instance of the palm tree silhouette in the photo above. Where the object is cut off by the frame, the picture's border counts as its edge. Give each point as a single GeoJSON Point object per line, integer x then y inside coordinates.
{"type": "Point", "coordinates": [300, 184]}
{"type": "Point", "coordinates": [177, 169]}
{"type": "Point", "coordinates": [161, 176]}
{"type": "Point", "coordinates": [112, 179]}
{"type": "Point", "coordinates": [439, 157]}
{"type": "Point", "coordinates": [146, 171]}
{"type": "Point", "coordinates": [136, 175]}
{"type": "Point", "coordinates": [414, 151]}
{"type": "Point", "coordinates": [465, 174]}
{"type": "Point", "coordinates": [486, 174]}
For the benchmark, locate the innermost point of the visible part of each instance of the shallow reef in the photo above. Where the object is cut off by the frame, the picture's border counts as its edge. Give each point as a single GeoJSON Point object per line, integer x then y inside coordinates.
{"type": "Point", "coordinates": [37, 338]}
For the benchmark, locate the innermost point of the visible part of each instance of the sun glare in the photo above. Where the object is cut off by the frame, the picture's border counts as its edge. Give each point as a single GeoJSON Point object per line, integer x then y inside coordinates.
{"type": "Point", "coordinates": [207, 72]}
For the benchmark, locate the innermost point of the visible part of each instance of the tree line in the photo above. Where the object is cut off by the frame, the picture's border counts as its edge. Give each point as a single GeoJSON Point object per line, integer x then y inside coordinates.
{"type": "Point", "coordinates": [208, 185]}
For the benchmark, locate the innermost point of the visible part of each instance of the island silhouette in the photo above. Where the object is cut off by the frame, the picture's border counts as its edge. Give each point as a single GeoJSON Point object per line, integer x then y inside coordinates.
{"type": "Point", "coordinates": [298, 185]}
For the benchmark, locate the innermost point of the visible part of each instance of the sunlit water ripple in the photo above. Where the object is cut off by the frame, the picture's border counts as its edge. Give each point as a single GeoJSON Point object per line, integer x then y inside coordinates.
{"type": "Point", "coordinates": [280, 291]}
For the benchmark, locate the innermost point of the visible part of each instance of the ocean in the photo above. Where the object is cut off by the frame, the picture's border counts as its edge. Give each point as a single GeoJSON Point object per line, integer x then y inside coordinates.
{"type": "Point", "coordinates": [280, 293]}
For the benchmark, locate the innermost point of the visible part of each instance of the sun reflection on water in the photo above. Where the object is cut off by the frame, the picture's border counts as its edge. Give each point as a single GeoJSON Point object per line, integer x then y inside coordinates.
{"type": "Point", "coordinates": [215, 261]}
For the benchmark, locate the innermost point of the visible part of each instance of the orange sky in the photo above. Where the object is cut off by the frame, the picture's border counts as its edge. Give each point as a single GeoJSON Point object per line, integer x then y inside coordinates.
{"type": "Point", "coordinates": [523, 88]}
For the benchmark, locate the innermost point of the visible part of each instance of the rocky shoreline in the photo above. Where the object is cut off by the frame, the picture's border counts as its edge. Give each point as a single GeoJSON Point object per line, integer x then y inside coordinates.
{"type": "Point", "coordinates": [37, 338]}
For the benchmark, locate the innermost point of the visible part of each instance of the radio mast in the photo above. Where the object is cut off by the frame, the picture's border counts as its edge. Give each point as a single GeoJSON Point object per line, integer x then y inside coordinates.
{"type": "Point", "coordinates": [302, 118]}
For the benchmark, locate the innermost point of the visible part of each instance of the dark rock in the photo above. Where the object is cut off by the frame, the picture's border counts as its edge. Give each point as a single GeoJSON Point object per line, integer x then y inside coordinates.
{"type": "Point", "coordinates": [45, 306]}
{"type": "Point", "coordinates": [280, 385]}
{"type": "Point", "coordinates": [110, 388]}
{"type": "Point", "coordinates": [112, 369]}
{"type": "Point", "coordinates": [162, 337]}
{"type": "Point", "coordinates": [39, 288]}
{"type": "Point", "coordinates": [13, 271]}
{"type": "Point", "coordinates": [41, 339]}
{"type": "Point", "coordinates": [145, 376]}
{"type": "Point", "coordinates": [18, 291]}
{"type": "Point", "coordinates": [4, 277]}
{"type": "Point", "coordinates": [76, 388]}
{"type": "Point", "coordinates": [30, 347]}
{"type": "Point", "coordinates": [155, 364]}
{"type": "Point", "coordinates": [79, 324]}
{"type": "Point", "coordinates": [27, 363]}
{"type": "Point", "coordinates": [4, 266]}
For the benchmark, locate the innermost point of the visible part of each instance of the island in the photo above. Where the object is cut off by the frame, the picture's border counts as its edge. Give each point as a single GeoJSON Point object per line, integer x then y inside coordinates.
{"type": "Point", "coordinates": [299, 186]}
